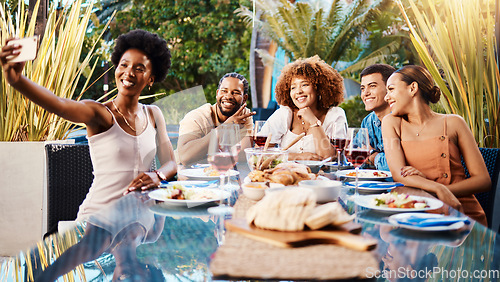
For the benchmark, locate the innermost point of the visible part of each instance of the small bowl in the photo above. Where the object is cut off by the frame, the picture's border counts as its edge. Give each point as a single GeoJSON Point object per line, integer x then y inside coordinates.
{"type": "Point", "coordinates": [254, 154]}
{"type": "Point", "coordinates": [326, 190]}
{"type": "Point", "coordinates": [313, 165]}
{"type": "Point", "coordinates": [254, 190]}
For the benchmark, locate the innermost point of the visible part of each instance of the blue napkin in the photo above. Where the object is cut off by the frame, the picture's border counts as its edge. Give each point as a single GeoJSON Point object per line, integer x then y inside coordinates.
{"type": "Point", "coordinates": [437, 221]}
{"type": "Point", "coordinates": [376, 185]}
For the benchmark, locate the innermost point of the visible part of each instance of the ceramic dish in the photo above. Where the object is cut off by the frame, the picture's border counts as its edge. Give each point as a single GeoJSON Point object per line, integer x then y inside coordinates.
{"type": "Point", "coordinates": [162, 195]}
{"type": "Point", "coordinates": [365, 174]}
{"type": "Point", "coordinates": [367, 202]}
{"type": "Point", "coordinates": [200, 174]}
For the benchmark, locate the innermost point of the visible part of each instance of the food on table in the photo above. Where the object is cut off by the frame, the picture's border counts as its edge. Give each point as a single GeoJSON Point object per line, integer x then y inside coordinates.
{"type": "Point", "coordinates": [179, 192]}
{"type": "Point", "coordinates": [258, 159]}
{"type": "Point", "coordinates": [284, 173]}
{"type": "Point", "coordinates": [396, 200]}
{"type": "Point", "coordinates": [211, 171]}
{"type": "Point", "coordinates": [327, 214]}
{"type": "Point", "coordinates": [293, 209]}
{"type": "Point", "coordinates": [368, 173]}
{"type": "Point", "coordinates": [284, 210]}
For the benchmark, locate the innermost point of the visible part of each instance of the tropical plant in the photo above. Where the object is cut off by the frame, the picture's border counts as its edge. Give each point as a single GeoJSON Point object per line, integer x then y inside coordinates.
{"type": "Point", "coordinates": [306, 28]}
{"type": "Point", "coordinates": [205, 39]}
{"type": "Point", "coordinates": [57, 67]}
{"type": "Point", "coordinates": [457, 45]}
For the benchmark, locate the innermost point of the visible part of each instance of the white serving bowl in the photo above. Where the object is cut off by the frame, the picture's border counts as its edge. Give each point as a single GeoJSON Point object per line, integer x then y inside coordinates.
{"type": "Point", "coordinates": [254, 190]}
{"type": "Point", "coordinates": [326, 190]}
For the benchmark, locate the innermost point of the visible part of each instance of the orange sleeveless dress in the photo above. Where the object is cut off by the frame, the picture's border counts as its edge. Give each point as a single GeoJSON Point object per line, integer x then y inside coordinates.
{"type": "Point", "coordinates": [439, 160]}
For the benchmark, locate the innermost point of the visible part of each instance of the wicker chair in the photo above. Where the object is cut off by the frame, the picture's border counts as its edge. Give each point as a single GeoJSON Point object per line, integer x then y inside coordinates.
{"type": "Point", "coordinates": [491, 158]}
{"type": "Point", "coordinates": [69, 177]}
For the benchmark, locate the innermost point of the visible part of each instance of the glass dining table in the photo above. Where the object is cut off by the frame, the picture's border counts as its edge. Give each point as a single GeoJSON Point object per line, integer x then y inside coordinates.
{"type": "Point", "coordinates": [149, 240]}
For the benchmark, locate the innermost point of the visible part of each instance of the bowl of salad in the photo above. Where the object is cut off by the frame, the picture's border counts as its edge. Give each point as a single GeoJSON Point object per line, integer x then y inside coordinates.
{"type": "Point", "coordinates": [258, 159]}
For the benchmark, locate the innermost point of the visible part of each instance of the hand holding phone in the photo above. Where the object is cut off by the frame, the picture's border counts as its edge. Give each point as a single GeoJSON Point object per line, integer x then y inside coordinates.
{"type": "Point", "coordinates": [27, 51]}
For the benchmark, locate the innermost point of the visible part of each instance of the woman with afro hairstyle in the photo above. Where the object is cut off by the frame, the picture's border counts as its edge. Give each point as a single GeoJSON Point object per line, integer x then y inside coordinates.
{"type": "Point", "coordinates": [124, 136]}
{"type": "Point", "coordinates": [309, 92]}
{"type": "Point", "coordinates": [423, 148]}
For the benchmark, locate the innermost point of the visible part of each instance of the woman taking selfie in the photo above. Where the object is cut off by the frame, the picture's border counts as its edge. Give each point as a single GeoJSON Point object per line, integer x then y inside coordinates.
{"type": "Point", "coordinates": [124, 135]}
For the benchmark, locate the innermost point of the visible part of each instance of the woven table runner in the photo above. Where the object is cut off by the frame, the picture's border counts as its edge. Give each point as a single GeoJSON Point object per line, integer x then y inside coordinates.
{"type": "Point", "coordinates": [241, 257]}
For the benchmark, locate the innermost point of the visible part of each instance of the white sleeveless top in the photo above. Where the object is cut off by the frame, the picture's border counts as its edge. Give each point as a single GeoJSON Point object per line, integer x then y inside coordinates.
{"type": "Point", "coordinates": [280, 121]}
{"type": "Point", "coordinates": [117, 158]}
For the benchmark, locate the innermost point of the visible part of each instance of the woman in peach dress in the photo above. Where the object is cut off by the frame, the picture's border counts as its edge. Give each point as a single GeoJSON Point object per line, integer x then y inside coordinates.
{"type": "Point", "coordinates": [423, 148]}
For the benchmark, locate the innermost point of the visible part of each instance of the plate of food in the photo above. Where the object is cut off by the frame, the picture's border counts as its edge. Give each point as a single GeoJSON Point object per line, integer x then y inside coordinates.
{"type": "Point", "coordinates": [428, 221]}
{"type": "Point", "coordinates": [397, 202]}
{"type": "Point", "coordinates": [178, 195]}
{"type": "Point", "coordinates": [373, 186]}
{"type": "Point", "coordinates": [204, 173]}
{"type": "Point", "coordinates": [365, 174]}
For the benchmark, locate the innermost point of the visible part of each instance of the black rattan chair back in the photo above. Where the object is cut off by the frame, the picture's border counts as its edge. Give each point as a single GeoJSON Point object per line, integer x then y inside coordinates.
{"type": "Point", "coordinates": [69, 177]}
{"type": "Point", "coordinates": [491, 158]}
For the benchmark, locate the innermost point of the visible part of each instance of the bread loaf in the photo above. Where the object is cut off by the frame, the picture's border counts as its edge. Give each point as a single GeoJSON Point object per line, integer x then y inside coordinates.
{"type": "Point", "coordinates": [323, 215]}
{"type": "Point", "coordinates": [284, 210]}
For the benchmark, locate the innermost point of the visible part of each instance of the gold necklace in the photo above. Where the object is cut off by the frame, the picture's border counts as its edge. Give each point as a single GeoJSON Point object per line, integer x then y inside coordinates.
{"type": "Point", "coordinates": [126, 122]}
{"type": "Point", "coordinates": [425, 123]}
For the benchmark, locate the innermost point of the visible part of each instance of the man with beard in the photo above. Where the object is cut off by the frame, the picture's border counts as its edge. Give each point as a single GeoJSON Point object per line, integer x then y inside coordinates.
{"type": "Point", "coordinates": [195, 127]}
{"type": "Point", "coordinates": [373, 91]}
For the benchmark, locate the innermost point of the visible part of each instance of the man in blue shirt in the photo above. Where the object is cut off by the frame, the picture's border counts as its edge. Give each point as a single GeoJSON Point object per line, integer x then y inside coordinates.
{"type": "Point", "coordinates": [373, 91]}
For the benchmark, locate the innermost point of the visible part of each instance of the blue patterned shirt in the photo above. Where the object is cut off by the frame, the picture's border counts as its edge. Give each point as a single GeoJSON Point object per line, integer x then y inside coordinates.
{"type": "Point", "coordinates": [374, 126]}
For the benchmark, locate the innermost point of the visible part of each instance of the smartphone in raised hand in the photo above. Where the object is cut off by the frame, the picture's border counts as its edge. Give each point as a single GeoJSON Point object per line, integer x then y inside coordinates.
{"type": "Point", "coordinates": [27, 51]}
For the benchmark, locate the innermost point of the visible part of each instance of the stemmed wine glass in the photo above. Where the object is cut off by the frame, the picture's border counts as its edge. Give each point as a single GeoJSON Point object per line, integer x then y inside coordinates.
{"type": "Point", "coordinates": [357, 151]}
{"type": "Point", "coordinates": [222, 155]}
{"type": "Point", "coordinates": [339, 139]}
{"type": "Point", "coordinates": [258, 137]}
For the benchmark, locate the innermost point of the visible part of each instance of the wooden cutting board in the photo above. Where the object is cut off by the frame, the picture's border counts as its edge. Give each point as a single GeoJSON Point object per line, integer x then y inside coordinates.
{"type": "Point", "coordinates": [301, 238]}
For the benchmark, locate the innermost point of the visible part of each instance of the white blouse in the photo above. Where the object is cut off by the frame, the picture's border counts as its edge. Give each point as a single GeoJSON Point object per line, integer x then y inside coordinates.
{"type": "Point", "coordinates": [280, 121]}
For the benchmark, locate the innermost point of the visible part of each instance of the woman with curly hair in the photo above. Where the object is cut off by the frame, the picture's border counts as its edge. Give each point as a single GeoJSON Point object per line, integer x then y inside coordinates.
{"type": "Point", "coordinates": [309, 92]}
{"type": "Point", "coordinates": [124, 135]}
{"type": "Point", "coordinates": [423, 148]}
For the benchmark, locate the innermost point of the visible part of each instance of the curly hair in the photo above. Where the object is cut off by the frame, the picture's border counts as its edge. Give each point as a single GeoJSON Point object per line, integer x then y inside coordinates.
{"type": "Point", "coordinates": [150, 43]}
{"type": "Point", "coordinates": [327, 82]}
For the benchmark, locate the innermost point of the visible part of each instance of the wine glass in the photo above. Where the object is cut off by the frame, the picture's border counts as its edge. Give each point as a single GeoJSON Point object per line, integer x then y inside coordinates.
{"type": "Point", "coordinates": [258, 137]}
{"type": "Point", "coordinates": [357, 151]}
{"type": "Point", "coordinates": [339, 139]}
{"type": "Point", "coordinates": [222, 155]}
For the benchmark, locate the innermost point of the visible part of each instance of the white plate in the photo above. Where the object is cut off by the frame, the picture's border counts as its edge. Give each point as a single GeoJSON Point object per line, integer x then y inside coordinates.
{"type": "Point", "coordinates": [199, 174]}
{"type": "Point", "coordinates": [275, 185]}
{"type": "Point", "coordinates": [366, 201]}
{"type": "Point", "coordinates": [161, 195]}
{"type": "Point", "coordinates": [343, 173]}
{"type": "Point", "coordinates": [192, 183]}
{"type": "Point", "coordinates": [372, 189]}
{"type": "Point", "coordinates": [393, 219]}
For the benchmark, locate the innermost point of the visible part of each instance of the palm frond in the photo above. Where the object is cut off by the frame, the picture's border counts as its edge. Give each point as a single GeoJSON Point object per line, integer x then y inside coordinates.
{"type": "Point", "coordinates": [463, 47]}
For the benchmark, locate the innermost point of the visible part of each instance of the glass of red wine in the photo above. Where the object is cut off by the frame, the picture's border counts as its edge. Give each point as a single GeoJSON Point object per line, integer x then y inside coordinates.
{"type": "Point", "coordinates": [357, 150]}
{"type": "Point", "coordinates": [259, 138]}
{"type": "Point", "coordinates": [339, 140]}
